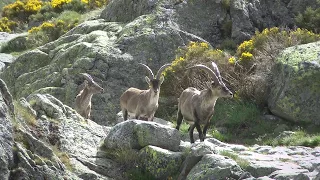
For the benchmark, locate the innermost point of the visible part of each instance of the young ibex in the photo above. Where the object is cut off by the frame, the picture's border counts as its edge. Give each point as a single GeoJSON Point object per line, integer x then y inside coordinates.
{"type": "Point", "coordinates": [143, 103]}
{"type": "Point", "coordinates": [83, 99]}
{"type": "Point", "coordinates": [197, 107]}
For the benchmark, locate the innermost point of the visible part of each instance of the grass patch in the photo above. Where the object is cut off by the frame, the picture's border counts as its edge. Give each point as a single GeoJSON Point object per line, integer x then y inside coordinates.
{"type": "Point", "coordinates": [64, 157]}
{"type": "Point", "coordinates": [29, 118]}
{"type": "Point", "coordinates": [240, 122]}
{"type": "Point", "coordinates": [243, 163]}
{"type": "Point", "coordinates": [298, 138]}
{"type": "Point", "coordinates": [137, 174]}
{"type": "Point", "coordinates": [123, 156]}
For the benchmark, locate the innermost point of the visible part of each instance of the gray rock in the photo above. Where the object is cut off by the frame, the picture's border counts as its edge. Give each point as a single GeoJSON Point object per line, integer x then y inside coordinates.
{"type": "Point", "coordinates": [46, 103]}
{"type": "Point", "coordinates": [157, 120]}
{"type": "Point", "coordinates": [136, 134]}
{"type": "Point", "coordinates": [294, 95]}
{"type": "Point", "coordinates": [6, 140]}
{"type": "Point", "coordinates": [160, 162]}
{"type": "Point", "coordinates": [214, 166]}
{"type": "Point", "coordinates": [247, 16]}
{"type": "Point", "coordinates": [5, 60]}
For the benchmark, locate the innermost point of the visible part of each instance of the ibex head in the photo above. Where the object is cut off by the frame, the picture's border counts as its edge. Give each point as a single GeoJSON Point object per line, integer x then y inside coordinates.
{"type": "Point", "coordinates": [155, 82]}
{"type": "Point", "coordinates": [217, 86]}
{"type": "Point", "coordinates": [91, 85]}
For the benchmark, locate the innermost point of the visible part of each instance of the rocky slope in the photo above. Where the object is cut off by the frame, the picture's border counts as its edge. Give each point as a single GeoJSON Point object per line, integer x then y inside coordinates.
{"type": "Point", "coordinates": [149, 32]}
{"type": "Point", "coordinates": [48, 140]}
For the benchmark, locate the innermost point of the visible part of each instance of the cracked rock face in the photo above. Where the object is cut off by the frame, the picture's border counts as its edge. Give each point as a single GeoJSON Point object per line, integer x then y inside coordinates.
{"type": "Point", "coordinates": [6, 140]}
{"type": "Point", "coordinates": [295, 91]}
{"type": "Point", "coordinates": [52, 141]}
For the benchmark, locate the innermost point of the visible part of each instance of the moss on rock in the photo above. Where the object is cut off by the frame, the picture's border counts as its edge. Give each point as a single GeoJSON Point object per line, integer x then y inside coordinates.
{"type": "Point", "coordinates": [160, 162]}
{"type": "Point", "coordinates": [295, 94]}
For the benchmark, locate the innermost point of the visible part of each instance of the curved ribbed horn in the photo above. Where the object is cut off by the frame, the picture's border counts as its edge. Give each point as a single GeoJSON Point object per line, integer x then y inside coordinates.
{"type": "Point", "coordinates": [87, 76]}
{"type": "Point", "coordinates": [161, 69]}
{"type": "Point", "coordinates": [212, 74]}
{"type": "Point", "coordinates": [216, 70]}
{"type": "Point", "coordinates": [151, 75]}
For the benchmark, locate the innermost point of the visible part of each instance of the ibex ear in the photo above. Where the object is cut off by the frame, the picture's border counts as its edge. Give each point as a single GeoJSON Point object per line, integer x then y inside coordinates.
{"type": "Point", "coordinates": [148, 80]}
{"type": "Point", "coordinates": [161, 79]}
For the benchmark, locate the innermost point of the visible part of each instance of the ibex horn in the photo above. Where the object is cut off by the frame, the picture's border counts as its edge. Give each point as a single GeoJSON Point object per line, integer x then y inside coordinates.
{"type": "Point", "coordinates": [161, 70]}
{"type": "Point", "coordinates": [151, 76]}
{"type": "Point", "coordinates": [87, 76]}
{"type": "Point", "coordinates": [216, 70]}
{"type": "Point", "coordinates": [211, 73]}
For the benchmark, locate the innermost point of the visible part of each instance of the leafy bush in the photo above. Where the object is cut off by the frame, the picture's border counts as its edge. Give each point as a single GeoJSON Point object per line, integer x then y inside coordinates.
{"type": "Point", "coordinates": [96, 3]}
{"type": "Point", "coordinates": [76, 5]}
{"type": "Point", "coordinates": [49, 31]}
{"type": "Point", "coordinates": [45, 13]}
{"type": "Point", "coordinates": [21, 10]}
{"type": "Point", "coordinates": [309, 19]}
{"type": "Point", "coordinates": [177, 78]}
{"type": "Point", "coordinates": [7, 25]}
{"type": "Point", "coordinates": [255, 58]}
{"type": "Point", "coordinates": [57, 4]}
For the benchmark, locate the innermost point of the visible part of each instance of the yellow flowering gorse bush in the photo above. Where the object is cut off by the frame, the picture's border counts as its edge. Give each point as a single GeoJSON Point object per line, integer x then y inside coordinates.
{"type": "Point", "coordinates": [58, 3]}
{"type": "Point", "coordinates": [178, 78]}
{"type": "Point", "coordinates": [6, 25]}
{"type": "Point", "coordinates": [24, 8]}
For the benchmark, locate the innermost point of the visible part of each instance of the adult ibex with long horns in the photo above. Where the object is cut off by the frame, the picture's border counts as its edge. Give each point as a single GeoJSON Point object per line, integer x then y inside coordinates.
{"type": "Point", "coordinates": [143, 103]}
{"type": "Point", "coordinates": [197, 107]}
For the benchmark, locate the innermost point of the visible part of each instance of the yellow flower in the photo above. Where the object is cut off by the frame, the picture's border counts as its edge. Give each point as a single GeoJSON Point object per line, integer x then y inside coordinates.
{"type": "Point", "coordinates": [205, 45]}
{"type": "Point", "coordinates": [33, 5]}
{"type": "Point", "coordinates": [246, 56]}
{"type": "Point", "coordinates": [59, 3]}
{"type": "Point", "coordinates": [85, 1]}
{"type": "Point", "coordinates": [232, 60]}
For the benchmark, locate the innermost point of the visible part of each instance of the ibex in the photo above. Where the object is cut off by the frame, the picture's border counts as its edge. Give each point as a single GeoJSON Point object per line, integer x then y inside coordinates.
{"type": "Point", "coordinates": [143, 103]}
{"type": "Point", "coordinates": [197, 107]}
{"type": "Point", "coordinates": [83, 99]}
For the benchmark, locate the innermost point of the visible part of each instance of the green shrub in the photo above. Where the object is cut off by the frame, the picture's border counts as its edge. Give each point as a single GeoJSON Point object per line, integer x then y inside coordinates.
{"type": "Point", "coordinates": [177, 78]}
{"type": "Point", "coordinates": [45, 13]}
{"type": "Point", "coordinates": [7, 25]}
{"type": "Point", "coordinates": [309, 19]}
{"type": "Point", "coordinates": [21, 10]}
{"type": "Point", "coordinates": [76, 5]}
{"type": "Point", "coordinates": [49, 31]}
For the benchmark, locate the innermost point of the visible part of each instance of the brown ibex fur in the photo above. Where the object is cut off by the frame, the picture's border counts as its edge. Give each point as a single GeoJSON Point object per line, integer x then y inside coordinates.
{"type": "Point", "coordinates": [197, 107]}
{"type": "Point", "coordinates": [83, 99]}
{"type": "Point", "coordinates": [143, 103]}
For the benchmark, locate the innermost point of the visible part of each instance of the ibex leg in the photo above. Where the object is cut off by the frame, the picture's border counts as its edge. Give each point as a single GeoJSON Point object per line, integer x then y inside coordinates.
{"type": "Point", "coordinates": [205, 130]}
{"type": "Point", "coordinates": [191, 133]}
{"type": "Point", "coordinates": [199, 131]}
{"type": "Point", "coordinates": [125, 114]}
{"type": "Point", "coordinates": [179, 120]}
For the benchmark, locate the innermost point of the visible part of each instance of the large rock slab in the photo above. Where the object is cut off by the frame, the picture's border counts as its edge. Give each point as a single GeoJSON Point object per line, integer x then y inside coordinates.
{"type": "Point", "coordinates": [136, 134]}
{"type": "Point", "coordinates": [6, 140]}
{"type": "Point", "coordinates": [213, 166]}
{"type": "Point", "coordinates": [161, 163]}
{"type": "Point", "coordinates": [247, 16]}
{"type": "Point", "coordinates": [295, 92]}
